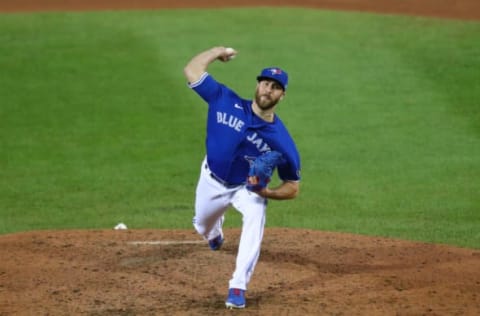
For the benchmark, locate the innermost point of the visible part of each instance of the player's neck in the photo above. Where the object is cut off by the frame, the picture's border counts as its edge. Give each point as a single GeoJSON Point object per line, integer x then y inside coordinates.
{"type": "Point", "coordinates": [266, 115]}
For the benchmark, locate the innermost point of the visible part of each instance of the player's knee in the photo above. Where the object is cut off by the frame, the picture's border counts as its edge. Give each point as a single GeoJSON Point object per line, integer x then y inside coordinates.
{"type": "Point", "coordinates": [202, 230]}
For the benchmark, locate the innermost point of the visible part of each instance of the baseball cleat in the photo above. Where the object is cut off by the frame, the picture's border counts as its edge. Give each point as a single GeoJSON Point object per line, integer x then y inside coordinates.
{"type": "Point", "coordinates": [216, 243]}
{"type": "Point", "coordinates": [235, 299]}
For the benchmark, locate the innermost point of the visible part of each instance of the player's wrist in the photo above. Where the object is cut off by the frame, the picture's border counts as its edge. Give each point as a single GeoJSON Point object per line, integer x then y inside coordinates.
{"type": "Point", "coordinates": [217, 51]}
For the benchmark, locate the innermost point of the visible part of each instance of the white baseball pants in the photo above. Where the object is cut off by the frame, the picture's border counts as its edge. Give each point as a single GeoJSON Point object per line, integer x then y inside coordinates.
{"type": "Point", "coordinates": [212, 201]}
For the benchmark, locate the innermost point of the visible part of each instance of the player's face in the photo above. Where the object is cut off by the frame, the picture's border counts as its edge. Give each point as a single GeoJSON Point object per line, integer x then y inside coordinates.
{"type": "Point", "coordinates": [268, 94]}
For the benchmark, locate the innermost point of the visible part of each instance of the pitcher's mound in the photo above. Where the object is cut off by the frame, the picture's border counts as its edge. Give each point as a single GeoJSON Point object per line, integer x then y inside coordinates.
{"type": "Point", "coordinates": [300, 272]}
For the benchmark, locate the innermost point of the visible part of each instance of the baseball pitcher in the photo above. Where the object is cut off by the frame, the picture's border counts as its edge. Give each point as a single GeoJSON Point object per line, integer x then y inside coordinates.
{"type": "Point", "coordinates": [245, 142]}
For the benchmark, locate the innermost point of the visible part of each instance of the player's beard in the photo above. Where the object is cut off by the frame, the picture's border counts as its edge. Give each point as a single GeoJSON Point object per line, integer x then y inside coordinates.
{"type": "Point", "coordinates": [264, 102]}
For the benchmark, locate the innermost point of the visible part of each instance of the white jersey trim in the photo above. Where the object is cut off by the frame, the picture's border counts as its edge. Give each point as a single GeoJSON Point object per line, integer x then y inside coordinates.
{"type": "Point", "coordinates": [199, 81]}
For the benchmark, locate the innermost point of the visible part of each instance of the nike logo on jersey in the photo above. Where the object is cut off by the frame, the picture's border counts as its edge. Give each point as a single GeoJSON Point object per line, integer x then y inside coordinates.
{"type": "Point", "coordinates": [261, 145]}
{"type": "Point", "coordinates": [238, 106]}
{"type": "Point", "coordinates": [230, 121]}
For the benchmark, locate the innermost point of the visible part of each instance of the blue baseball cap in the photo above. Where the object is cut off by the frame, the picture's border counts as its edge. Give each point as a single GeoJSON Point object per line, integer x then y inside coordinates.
{"type": "Point", "coordinates": [276, 74]}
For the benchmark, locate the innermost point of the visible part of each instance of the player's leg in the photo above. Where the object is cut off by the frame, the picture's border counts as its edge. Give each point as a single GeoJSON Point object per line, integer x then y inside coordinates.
{"type": "Point", "coordinates": [211, 202]}
{"type": "Point", "coordinates": [253, 209]}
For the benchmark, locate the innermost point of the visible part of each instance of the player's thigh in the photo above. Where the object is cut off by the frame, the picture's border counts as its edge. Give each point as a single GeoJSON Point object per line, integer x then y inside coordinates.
{"type": "Point", "coordinates": [250, 204]}
{"type": "Point", "coordinates": [211, 198]}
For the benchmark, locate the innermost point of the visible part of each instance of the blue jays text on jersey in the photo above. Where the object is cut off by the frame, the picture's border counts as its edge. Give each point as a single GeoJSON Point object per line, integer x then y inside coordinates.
{"type": "Point", "coordinates": [235, 132]}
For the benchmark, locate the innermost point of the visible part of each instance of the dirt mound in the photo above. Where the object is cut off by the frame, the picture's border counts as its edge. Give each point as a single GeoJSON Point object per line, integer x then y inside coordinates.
{"type": "Point", "coordinates": [159, 272]}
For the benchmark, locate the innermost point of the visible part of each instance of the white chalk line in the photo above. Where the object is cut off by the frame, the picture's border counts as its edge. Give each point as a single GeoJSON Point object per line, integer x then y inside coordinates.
{"type": "Point", "coordinates": [166, 242]}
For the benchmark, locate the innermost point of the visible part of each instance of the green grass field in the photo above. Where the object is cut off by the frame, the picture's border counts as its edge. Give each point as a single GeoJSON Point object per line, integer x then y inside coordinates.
{"type": "Point", "coordinates": [97, 125]}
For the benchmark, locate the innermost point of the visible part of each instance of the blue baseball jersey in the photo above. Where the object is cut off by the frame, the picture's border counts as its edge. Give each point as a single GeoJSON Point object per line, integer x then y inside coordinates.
{"type": "Point", "coordinates": [236, 134]}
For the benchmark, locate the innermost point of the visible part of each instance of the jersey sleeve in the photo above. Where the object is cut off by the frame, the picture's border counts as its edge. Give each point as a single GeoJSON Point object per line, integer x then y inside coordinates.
{"type": "Point", "coordinates": [290, 170]}
{"type": "Point", "coordinates": [207, 88]}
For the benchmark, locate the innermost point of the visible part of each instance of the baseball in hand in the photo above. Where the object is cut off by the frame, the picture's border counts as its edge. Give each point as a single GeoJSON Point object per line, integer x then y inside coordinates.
{"type": "Point", "coordinates": [231, 52]}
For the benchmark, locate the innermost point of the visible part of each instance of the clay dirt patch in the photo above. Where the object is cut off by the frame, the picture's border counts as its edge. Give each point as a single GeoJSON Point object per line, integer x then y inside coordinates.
{"type": "Point", "coordinates": [173, 272]}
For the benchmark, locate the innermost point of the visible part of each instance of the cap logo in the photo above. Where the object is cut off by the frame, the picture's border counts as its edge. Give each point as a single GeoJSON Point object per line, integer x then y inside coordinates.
{"type": "Point", "coordinates": [275, 71]}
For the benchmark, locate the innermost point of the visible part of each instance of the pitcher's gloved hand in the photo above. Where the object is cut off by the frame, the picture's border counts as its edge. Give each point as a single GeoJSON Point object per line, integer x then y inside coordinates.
{"type": "Point", "coordinates": [261, 170]}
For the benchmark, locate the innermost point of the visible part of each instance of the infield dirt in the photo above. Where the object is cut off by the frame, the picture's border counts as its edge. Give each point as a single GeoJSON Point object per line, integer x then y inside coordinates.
{"type": "Point", "coordinates": [167, 272]}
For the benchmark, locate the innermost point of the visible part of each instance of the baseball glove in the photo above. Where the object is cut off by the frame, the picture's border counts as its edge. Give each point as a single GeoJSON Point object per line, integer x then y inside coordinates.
{"type": "Point", "coordinates": [261, 170]}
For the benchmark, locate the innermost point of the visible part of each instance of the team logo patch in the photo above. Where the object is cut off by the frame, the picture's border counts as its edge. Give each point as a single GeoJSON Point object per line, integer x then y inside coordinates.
{"type": "Point", "coordinates": [275, 71]}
